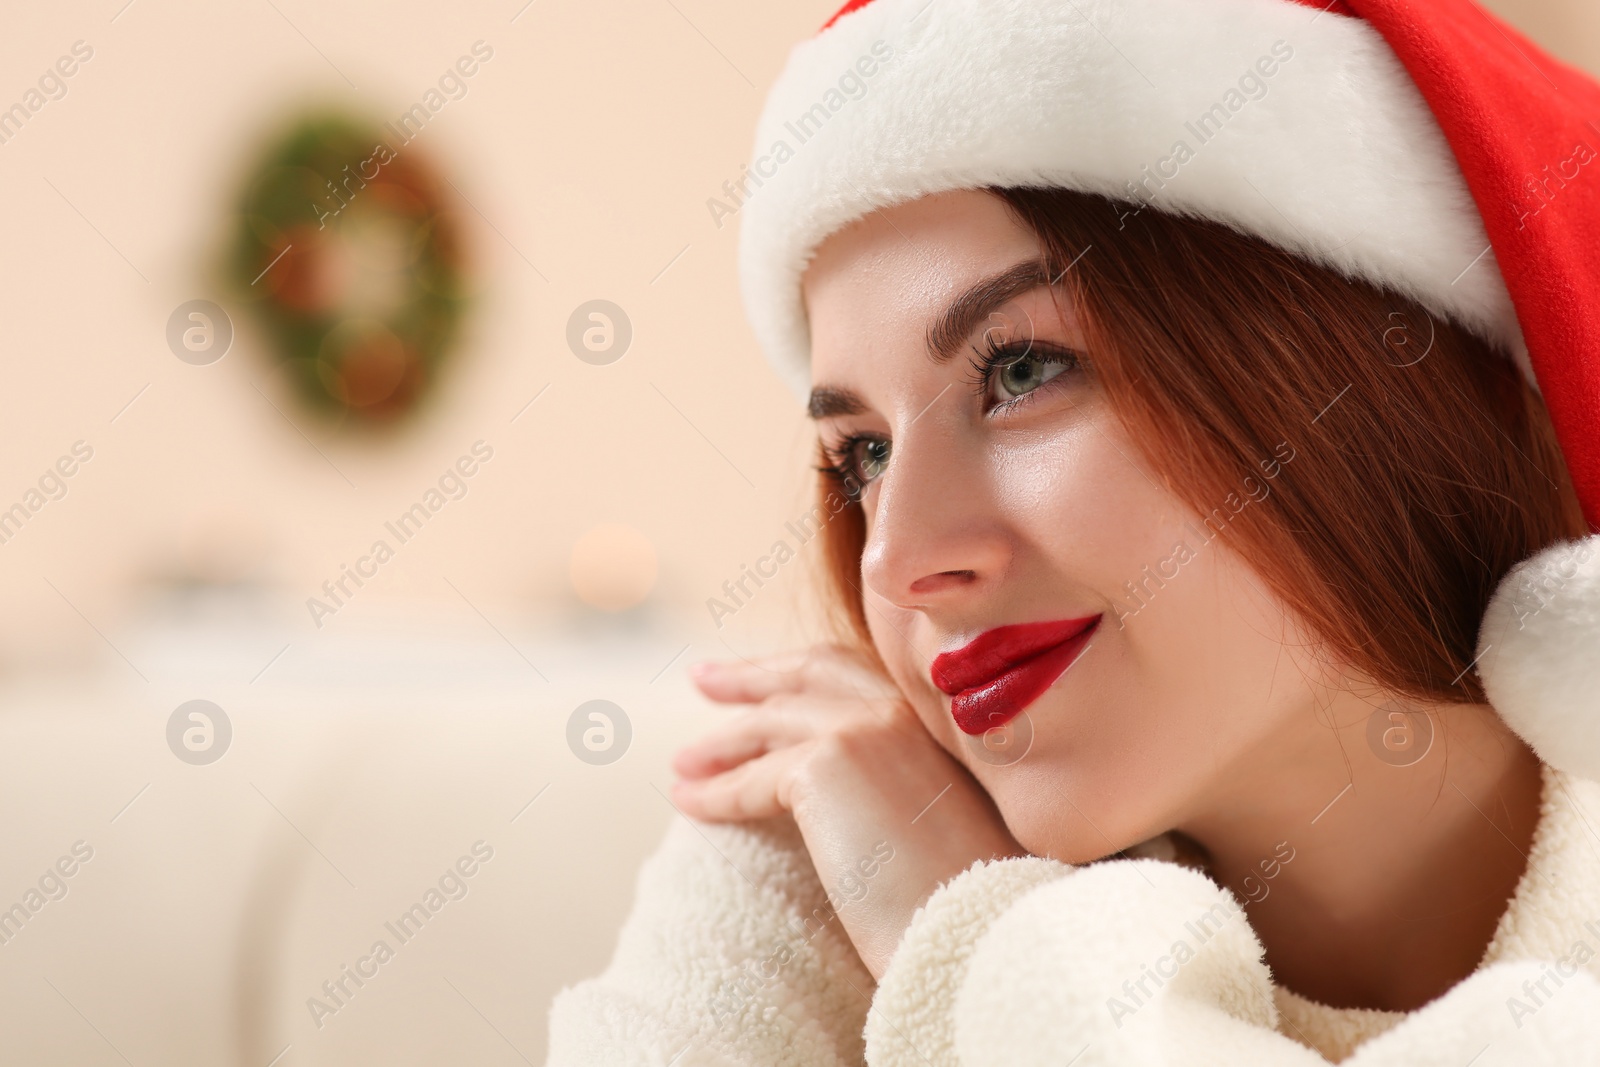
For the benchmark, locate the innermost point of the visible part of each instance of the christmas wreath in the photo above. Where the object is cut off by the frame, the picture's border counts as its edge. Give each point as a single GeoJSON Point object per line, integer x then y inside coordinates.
{"type": "Point", "coordinates": [352, 266]}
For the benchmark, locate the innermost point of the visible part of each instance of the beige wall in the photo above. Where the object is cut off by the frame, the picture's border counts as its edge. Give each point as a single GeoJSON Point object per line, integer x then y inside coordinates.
{"type": "Point", "coordinates": [591, 141]}
{"type": "Point", "coordinates": [1567, 29]}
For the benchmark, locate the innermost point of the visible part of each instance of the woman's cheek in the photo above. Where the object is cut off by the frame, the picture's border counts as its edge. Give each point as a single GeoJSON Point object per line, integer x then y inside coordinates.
{"type": "Point", "coordinates": [1056, 459]}
{"type": "Point", "coordinates": [1219, 660]}
{"type": "Point", "coordinates": [1097, 517]}
{"type": "Point", "coordinates": [893, 630]}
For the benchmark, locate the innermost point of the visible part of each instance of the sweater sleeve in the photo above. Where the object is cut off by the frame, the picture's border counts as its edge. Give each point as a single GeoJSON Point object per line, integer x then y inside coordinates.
{"type": "Point", "coordinates": [1027, 961]}
{"type": "Point", "coordinates": [731, 956]}
{"type": "Point", "coordinates": [1521, 1014]}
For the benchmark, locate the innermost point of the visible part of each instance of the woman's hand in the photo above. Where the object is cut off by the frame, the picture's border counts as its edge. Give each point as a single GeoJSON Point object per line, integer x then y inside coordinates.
{"type": "Point", "coordinates": [886, 814]}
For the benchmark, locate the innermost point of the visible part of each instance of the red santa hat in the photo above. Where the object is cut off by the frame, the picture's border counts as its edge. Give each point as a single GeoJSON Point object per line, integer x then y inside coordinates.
{"type": "Point", "coordinates": [1419, 145]}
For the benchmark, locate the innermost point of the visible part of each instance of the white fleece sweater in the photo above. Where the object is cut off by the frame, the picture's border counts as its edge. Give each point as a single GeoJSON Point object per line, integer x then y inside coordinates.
{"type": "Point", "coordinates": [732, 956]}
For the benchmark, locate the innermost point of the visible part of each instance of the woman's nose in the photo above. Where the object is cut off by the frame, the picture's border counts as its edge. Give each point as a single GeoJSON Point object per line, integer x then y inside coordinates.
{"type": "Point", "coordinates": [935, 535]}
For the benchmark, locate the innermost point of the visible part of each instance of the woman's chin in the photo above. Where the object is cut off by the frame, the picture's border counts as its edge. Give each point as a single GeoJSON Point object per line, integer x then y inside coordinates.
{"type": "Point", "coordinates": [1057, 830]}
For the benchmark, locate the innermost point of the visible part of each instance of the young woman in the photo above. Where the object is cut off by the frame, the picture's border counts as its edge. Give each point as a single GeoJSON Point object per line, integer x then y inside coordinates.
{"type": "Point", "coordinates": [1178, 431]}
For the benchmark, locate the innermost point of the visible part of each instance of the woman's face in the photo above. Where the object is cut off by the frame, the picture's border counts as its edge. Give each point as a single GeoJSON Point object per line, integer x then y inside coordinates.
{"type": "Point", "coordinates": [1001, 490]}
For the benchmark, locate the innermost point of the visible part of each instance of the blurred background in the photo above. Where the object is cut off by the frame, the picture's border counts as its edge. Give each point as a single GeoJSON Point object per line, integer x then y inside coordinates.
{"type": "Point", "coordinates": [243, 349]}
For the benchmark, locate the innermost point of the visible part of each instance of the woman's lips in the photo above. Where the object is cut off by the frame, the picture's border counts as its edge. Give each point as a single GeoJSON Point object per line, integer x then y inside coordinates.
{"type": "Point", "coordinates": [1002, 671]}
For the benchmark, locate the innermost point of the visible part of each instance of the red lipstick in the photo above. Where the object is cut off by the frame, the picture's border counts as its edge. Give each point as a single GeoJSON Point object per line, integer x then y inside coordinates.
{"type": "Point", "coordinates": [1002, 671]}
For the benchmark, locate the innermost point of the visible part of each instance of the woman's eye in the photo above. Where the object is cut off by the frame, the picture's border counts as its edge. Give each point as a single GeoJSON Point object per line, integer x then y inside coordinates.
{"type": "Point", "coordinates": [1022, 375]}
{"type": "Point", "coordinates": [869, 456]}
{"type": "Point", "coordinates": [856, 462]}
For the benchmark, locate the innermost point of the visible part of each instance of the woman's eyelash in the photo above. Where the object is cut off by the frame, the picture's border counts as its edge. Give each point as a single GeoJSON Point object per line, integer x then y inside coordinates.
{"type": "Point", "coordinates": [996, 354]}
{"type": "Point", "coordinates": [837, 464]}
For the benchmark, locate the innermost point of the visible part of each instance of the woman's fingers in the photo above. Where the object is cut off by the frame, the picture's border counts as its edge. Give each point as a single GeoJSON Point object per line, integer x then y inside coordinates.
{"type": "Point", "coordinates": [746, 768]}
{"type": "Point", "coordinates": [747, 737]}
{"type": "Point", "coordinates": [734, 682]}
{"type": "Point", "coordinates": [710, 756]}
{"type": "Point", "coordinates": [822, 669]}
{"type": "Point", "coordinates": [753, 790]}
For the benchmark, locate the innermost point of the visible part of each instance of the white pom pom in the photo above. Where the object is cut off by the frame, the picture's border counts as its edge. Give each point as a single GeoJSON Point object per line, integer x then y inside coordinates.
{"type": "Point", "coordinates": [1539, 654]}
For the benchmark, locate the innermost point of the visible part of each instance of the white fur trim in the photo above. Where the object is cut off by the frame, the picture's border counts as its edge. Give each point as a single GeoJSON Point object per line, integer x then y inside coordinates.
{"type": "Point", "coordinates": [1340, 161]}
{"type": "Point", "coordinates": [1539, 654]}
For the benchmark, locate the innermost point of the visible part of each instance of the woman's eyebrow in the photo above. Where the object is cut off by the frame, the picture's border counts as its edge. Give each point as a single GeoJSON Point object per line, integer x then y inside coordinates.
{"type": "Point", "coordinates": [966, 311]}
{"type": "Point", "coordinates": [827, 401]}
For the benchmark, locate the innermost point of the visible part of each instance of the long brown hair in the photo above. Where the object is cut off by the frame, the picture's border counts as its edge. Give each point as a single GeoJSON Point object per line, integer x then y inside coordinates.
{"type": "Point", "coordinates": [1424, 467]}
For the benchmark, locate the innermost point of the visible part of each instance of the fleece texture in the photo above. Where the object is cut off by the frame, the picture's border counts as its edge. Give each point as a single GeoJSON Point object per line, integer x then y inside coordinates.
{"type": "Point", "coordinates": [920, 995]}
{"type": "Point", "coordinates": [731, 956]}
{"type": "Point", "coordinates": [1030, 962]}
